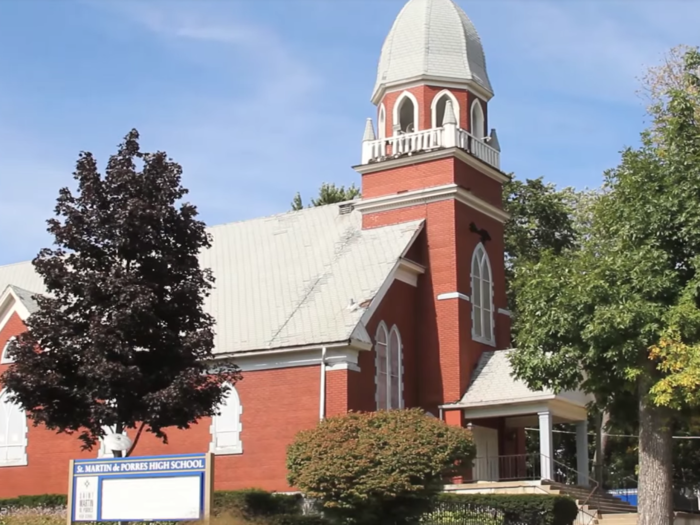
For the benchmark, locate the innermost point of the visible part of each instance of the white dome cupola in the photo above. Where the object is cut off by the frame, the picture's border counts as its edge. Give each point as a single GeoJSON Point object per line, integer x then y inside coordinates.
{"type": "Point", "coordinates": [435, 42]}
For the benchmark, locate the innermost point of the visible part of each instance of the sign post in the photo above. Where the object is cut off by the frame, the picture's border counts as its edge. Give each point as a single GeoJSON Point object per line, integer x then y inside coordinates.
{"type": "Point", "coordinates": [151, 488]}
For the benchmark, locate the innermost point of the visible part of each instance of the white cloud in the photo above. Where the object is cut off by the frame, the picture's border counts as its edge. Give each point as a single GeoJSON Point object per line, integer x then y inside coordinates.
{"type": "Point", "coordinates": [592, 49]}
{"type": "Point", "coordinates": [244, 152]}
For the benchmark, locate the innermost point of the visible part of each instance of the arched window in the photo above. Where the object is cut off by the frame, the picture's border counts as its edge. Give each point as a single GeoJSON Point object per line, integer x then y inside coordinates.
{"type": "Point", "coordinates": [13, 433]}
{"type": "Point", "coordinates": [478, 124]}
{"type": "Point", "coordinates": [406, 113]}
{"type": "Point", "coordinates": [4, 358]}
{"type": "Point", "coordinates": [226, 427]}
{"type": "Point", "coordinates": [438, 107]}
{"type": "Point", "coordinates": [482, 297]}
{"type": "Point", "coordinates": [102, 452]}
{"type": "Point", "coordinates": [389, 365]}
{"type": "Point", "coordinates": [381, 126]}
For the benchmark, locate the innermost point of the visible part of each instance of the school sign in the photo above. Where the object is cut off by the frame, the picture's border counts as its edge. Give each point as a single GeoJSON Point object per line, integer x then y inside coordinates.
{"type": "Point", "coordinates": [154, 488]}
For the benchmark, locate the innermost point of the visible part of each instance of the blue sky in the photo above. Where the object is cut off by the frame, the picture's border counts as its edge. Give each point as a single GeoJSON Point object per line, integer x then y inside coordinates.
{"type": "Point", "coordinates": [258, 99]}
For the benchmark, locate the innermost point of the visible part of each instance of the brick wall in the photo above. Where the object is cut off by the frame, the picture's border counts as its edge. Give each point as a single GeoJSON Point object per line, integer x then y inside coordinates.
{"type": "Point", "coordinates": [276, 405]}
{"type": "Point", "coordinates": [398, 308]}
{"type": "Point", "coordinates": [425, 95]}
{"type": "Point", "coordinates": [446, 354]}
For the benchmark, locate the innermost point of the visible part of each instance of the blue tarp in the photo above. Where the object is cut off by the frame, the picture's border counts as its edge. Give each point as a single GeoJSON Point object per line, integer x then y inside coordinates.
{"type": "Point", "coordinates": [627, 495]}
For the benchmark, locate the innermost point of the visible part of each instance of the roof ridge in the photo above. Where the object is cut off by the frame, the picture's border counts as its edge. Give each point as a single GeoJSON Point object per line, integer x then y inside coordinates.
{"type": "Point", "coordinates": [280, 214]}
{"type": "Point", "coordinates": [310, 209]}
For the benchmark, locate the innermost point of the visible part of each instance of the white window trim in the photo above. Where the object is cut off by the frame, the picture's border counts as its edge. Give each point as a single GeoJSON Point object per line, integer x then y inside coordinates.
{"type": "Point", "coordinates": [4, 358]}
{"type": "Point", "coordinates": [388, 334]}
{"type": "Point", "coordinates": [22, 461]}
{"type": "Point", "coordinates": [482, 131]}
{"type": "Point", "coordinates": [433, 106]}
{"type": "Point", "coordinates": [397, 106]}
{"type": "Point", "coordinates": [237, 447]}
{"type": "Point", "coordinates": [381, 122]}
{"type": "Point", "coordinates": [102, 452]}
{"type": "Point", "coordinates": [394, 329]}
{"type": "Point", "coordinates": [380, 327]}
{"type": "Point", "coordinates": [481, 339]}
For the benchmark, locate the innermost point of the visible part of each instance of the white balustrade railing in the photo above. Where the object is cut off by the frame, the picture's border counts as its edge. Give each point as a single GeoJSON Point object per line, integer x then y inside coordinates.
{"type": "Point", "coordinates": [479, 148]}
{"type": "Point", "coordinates": [427, 140]}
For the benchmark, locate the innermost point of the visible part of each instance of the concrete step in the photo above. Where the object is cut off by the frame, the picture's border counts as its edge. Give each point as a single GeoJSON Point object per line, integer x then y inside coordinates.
{"type": "Point", "coordinates": [618, 519]}
{"type": "Point", "coordinates": [599, 503]}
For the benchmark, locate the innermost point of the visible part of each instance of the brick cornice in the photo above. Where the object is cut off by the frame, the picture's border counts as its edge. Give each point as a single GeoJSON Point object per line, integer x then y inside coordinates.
{"type": "Point", "coordinates": [430, 195]}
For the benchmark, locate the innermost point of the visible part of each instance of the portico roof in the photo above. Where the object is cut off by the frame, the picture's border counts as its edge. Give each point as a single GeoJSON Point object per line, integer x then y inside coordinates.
{"type": "Point", "coordinates": [493, 384]}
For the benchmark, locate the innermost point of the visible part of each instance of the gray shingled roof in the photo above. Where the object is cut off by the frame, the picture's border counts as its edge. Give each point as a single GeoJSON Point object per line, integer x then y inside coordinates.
{"type": "Point", "coordinates": [285, 280]}
{"type": "Point", "coordinates": [26, 297]}
{"type": "Point", "coordinates": [492, 383]}
{"type": "Point", "coordinates": [432, 38]}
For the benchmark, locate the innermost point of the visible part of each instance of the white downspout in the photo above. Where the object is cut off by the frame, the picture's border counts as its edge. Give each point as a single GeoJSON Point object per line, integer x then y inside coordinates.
{"type": "Point", "coordinates": [322, 404]}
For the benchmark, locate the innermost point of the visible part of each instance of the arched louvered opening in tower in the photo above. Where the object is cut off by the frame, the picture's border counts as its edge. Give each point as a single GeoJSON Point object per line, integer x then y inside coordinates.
{"type": "Point", "coordinates": [478, 122]}
{"type": "Point", "coordinates": [406, 118]}
{"type": "Point", "coordinates": [438, 108]}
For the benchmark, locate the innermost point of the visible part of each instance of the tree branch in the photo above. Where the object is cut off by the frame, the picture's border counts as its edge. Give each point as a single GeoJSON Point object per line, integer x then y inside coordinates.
{"type": "Point", "coordinates": [136, 440]}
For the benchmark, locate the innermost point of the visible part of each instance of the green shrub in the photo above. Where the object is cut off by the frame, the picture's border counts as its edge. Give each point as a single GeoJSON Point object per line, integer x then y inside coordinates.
{"type": "Point", "coordinates": [295, 519]}
{"type": "Point", "coordinates": [256, 502]}
{"type": "Point", "coordinates": [532, 509]}
{"type": "Point", "coordinates": [250, 502]}
{"type": "Point", "coordinates": [42, 500]}
{"type": "Point", "coordinates": [377, 467]}
{"type": "Point", "coordinates": [466, 516]}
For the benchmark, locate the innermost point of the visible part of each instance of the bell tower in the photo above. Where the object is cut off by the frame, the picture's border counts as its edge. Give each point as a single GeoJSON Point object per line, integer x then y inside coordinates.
{"type": "Point", "coordinates": [430, 157]}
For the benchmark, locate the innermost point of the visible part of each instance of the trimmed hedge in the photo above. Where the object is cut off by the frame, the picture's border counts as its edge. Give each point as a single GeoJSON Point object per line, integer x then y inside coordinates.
{"type": "Point", "coordinates": [533, 509]}
{"type": "Point", "coordinates": [42, 500]}
{"type": "Point", "coordinates": [285, 509]}
{"type": "Point", "coordinates": [252, 502]}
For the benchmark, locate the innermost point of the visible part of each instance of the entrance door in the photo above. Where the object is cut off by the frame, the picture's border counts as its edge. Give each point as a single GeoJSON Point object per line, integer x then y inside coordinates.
{"type": "Point", "coordinates": [486, 462]}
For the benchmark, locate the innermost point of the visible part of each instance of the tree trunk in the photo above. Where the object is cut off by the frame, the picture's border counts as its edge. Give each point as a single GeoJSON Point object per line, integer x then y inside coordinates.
{"type": "Point", "coordinates": [655, 488]}
{"type": "Point", "coordinates": [598, 456]}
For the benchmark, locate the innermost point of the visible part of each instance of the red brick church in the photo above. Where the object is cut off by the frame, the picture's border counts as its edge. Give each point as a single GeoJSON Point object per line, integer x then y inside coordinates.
{"type": "Point", "coordinates": [393, 300]}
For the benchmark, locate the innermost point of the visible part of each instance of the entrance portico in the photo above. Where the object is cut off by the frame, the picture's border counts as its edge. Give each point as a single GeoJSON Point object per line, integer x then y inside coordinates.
{"type": "Point", "coordinates": [498, 408]}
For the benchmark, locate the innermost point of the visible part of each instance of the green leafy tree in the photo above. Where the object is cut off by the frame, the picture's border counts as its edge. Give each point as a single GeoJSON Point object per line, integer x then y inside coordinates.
{"type": "Point", "coordinates": [541, 219]}
{"type": "Point", "coordinates": [328, 193]}
{"type": "Point", "coordinates": [382, 467]}
{"type": "Point", "coordinates": [619, 316]}
{"type": "Point", "coordinates": [122, 335]}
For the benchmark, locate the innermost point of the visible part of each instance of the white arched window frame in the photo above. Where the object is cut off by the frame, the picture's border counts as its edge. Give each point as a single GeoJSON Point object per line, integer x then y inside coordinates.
{"type": "Point", "coordinates": [13, 433]}
{"type": "Point", "coordinates": [381, 126]}
{"type": "Point", "coordinates": [226, 427]}
{"type": "Point", "coordinates": [445, 93]}
{"type": "Point", "coordinates": [389, 368]}
{"type": "Point", "coordinates": [482, 297]}
{"type": "Point", "coordinates": [4, 358]}
{"type": "Point", "coordinates": [478, 122]}
{"type": "Point", "coordinates": [403, 97]}
{"type": "Point", "coordinates": [102, 452]}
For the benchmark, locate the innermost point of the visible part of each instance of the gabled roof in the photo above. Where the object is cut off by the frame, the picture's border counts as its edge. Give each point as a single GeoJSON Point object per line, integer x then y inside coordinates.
{"type": "Point", "coordinates": [286, 280]}
{"type": "Point", "coordinates": [492, 383]}
{"type": "Point", "coordinates": [24, 297]}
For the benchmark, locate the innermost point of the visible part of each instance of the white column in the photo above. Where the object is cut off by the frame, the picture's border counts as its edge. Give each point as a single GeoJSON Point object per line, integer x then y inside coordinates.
{"type": "Point", "coordinates": [546, 446]}
{"type": "Point", "coordinates": [582, 452]}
